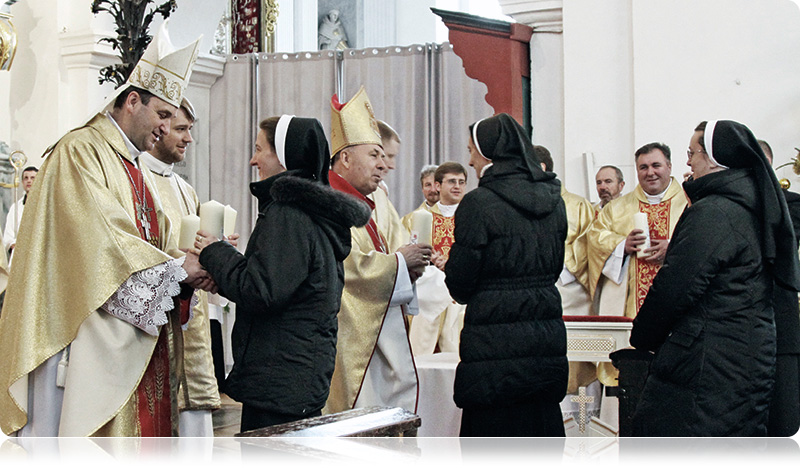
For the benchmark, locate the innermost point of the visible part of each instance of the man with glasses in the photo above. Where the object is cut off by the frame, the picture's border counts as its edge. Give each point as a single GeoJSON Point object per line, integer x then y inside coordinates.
{"type": "Point", "coordinates": [438, 326]}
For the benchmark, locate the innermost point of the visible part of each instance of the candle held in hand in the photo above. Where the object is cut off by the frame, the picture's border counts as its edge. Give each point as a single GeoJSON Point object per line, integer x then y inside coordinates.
{"type": "Point", "coordinates": [212, 218]}
{"type": "Point", "coordinates": [421, 227]}
{"type": "Point", "coordinates": [640, 222]}
{"type": "Point", "coordinates": [190, 224]}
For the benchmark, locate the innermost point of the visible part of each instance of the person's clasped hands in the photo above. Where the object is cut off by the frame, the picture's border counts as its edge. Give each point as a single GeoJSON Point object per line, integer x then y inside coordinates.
{"type": "Point", "coordinates": [198, 277]}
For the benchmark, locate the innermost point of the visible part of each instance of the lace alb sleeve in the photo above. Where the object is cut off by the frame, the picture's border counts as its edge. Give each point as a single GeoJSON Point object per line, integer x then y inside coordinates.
{"type": "Point", "coordinates": [144, 299]}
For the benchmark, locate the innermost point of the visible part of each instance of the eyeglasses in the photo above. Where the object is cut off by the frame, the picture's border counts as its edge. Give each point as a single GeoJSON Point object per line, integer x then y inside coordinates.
{"type": "Point", "coordinates": [691, 152]}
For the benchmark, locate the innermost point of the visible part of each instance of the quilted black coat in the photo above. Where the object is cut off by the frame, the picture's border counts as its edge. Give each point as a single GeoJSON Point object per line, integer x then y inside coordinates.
{"type": "Point", "coordinates": [287, 288]}
{"type": "Point", "coordinates": [709, 319]}
{"type": "Point", "coordinates": [507, 255]}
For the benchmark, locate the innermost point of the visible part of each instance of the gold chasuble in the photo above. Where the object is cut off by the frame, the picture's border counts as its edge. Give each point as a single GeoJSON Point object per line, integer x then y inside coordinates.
{"type": "Point", "coordinates": [3, 268]}
{"type": "Point", "coordinates": [615, 222]}
{"type": "Point", "coordinates": [82, 244]}
{"type": "Point", "coordinates": [580, 215]}
{"type": "Point", "coordinates": [370, 273]}
{"type": "Point", "coordinates": [198, 385]}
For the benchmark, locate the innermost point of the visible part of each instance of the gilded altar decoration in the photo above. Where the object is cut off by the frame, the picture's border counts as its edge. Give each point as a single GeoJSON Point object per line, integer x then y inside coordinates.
{"type": "Point", "coordinates": [795, 163]}
{"type": "Point", "coordinates": [133, 21]}
{"type": "Point", "coordinates": [270, 22]}
{"type": "Point", "coordinates": [8, 36]}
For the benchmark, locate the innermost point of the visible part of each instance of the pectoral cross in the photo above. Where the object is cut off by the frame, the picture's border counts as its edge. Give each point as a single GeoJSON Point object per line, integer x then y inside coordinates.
{"type": "Point", "coordinates": [144, 218]}
{"type": "Point", "coordinates": [582, 399]}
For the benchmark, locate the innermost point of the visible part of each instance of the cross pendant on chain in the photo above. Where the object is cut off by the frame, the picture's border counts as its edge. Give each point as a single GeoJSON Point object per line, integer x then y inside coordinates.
{"type": "Point", "coordinates": [142, 213]}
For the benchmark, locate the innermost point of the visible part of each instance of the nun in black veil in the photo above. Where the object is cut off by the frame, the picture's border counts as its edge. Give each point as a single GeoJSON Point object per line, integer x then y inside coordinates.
{"type": "Point", "coordinates": [506, 259]}
{"type": "Point", "coordinates": [708, 316]}
{"type": "Point", "coordinates": [288, 284]}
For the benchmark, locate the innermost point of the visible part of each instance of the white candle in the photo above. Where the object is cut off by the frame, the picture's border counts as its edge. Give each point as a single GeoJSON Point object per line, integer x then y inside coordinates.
{"type": "Point", "coordinates": [640, 222]}
{"type": "Point", "coordinates": [421, 227]}
{"type": "Point", "coordinates": [190, 224]}
{"type": "Point", "coordinates": [212, 218]}
{"type": "Point", "coordinates": [230, 221]}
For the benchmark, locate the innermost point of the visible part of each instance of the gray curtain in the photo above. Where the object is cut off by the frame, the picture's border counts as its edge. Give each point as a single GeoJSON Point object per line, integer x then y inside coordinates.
{"type": "Point", "coordinates": [420, 90]}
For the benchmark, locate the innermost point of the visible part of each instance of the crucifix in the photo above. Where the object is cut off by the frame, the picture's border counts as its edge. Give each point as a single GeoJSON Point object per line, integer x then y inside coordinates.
{"type": "Point", "coordinates": [582, 399]}
{"type": "Point", "coordinates": [142, 212]}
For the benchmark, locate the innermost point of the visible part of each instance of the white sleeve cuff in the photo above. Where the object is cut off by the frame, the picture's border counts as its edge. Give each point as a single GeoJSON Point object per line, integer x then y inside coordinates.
{"type": "Point", "coordinates": [615, 265]}
{"type": "Point", "coordinates": [403, 291]}
{"type": "Point", "coordinates": [566, 277]}
{"type": "Point", "coordinates": [144, 299]}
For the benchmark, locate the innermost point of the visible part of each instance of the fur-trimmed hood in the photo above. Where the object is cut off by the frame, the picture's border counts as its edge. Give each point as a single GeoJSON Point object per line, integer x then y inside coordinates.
{"type": "Point", "coordinates": [332, 210]}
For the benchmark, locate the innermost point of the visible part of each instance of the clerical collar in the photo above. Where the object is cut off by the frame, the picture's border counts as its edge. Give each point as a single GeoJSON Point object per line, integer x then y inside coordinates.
{"type": "Point", "coordinates": [447, 210]}
{"type": "Point", "coordinates": [132, 149]}
{"type": "Point", "coordinates": [156, 165]}
{"type": "Point", "coordinates": [656, 199]}
{"type": "Point", "coordinates": [483, 171]}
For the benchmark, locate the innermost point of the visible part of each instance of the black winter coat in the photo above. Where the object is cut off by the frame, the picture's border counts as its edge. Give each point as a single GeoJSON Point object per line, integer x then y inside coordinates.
{"type": "Point", "coordinates": [709, 319]}
{"type": "Point", "coordinates": [287, 288]}
{"type": "Point", "coordinates": [507, 255]}
{"type": "Point", "coordinates": [784, 410]}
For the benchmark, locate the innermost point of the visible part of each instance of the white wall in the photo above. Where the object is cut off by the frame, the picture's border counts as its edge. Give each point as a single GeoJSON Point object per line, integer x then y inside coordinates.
{"type": "Point", "coordinates": [52, 85]}
{"type": "Point", "coordinates": [597, 86]}
{"type": "Point", "coordinates": [726, 59]}
{"type": "Point", "coordinates": [637, 71]}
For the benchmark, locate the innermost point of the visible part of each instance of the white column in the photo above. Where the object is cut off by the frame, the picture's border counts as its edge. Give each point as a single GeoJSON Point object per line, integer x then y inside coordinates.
{"type": "Point", "coordinates": [380, 25]}
{"type": "Point", "coordinates": [207, 71]}
{"type": "Point", "coordinates": [547, 73]}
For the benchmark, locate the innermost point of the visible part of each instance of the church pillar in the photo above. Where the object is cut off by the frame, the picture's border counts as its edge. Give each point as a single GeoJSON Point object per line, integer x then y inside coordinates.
{"type": "Point", "coordinates": [582, 65]}
{"type": "Point", "coordinates": [547, 73]}
{"type": "Point", "coordinates": [207, 71]}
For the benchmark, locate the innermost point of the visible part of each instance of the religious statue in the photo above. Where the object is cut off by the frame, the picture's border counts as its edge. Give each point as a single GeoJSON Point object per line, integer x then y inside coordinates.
{"type": "Point", "coordinates": [331, 32]}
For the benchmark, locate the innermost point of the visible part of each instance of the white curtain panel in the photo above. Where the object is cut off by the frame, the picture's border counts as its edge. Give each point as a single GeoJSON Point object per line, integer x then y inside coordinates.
{"type": "Point", "coordinates": [460, 101]}
{"type": "Point", "coordinates": [232, 139]}
{"type": "Point", "coordinates": [298, 84]}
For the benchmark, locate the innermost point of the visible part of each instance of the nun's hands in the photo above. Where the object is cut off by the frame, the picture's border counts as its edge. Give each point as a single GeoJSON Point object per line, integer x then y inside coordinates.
{"type": "Point", "coordinates": [204, 239]}
{"type": "Point", "coordinates": [233, 239]}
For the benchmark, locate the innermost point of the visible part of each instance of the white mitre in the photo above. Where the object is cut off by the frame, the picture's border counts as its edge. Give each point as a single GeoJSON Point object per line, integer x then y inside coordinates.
{"type": "Point", "coordinates": [164, 70]}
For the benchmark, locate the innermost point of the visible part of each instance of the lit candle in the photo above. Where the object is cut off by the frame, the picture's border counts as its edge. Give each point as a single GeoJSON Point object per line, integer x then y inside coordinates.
{"type": "Point", "coordinates": [230, 221]}
{"type": "Point", "coordinates": [212, 218]}
{"type": "Point", "coordinates": [640, 222]}
{"type": "Point", "coordinates": [190, 224]}
{"type": "Point", "coordinates": [421, 227]}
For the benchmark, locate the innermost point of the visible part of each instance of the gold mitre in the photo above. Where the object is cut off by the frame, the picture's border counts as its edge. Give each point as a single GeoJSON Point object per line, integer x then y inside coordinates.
{"type": "Point", "coordinates": [353, 123]}
{"type": "Point", "coordinates": [163, 70]}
